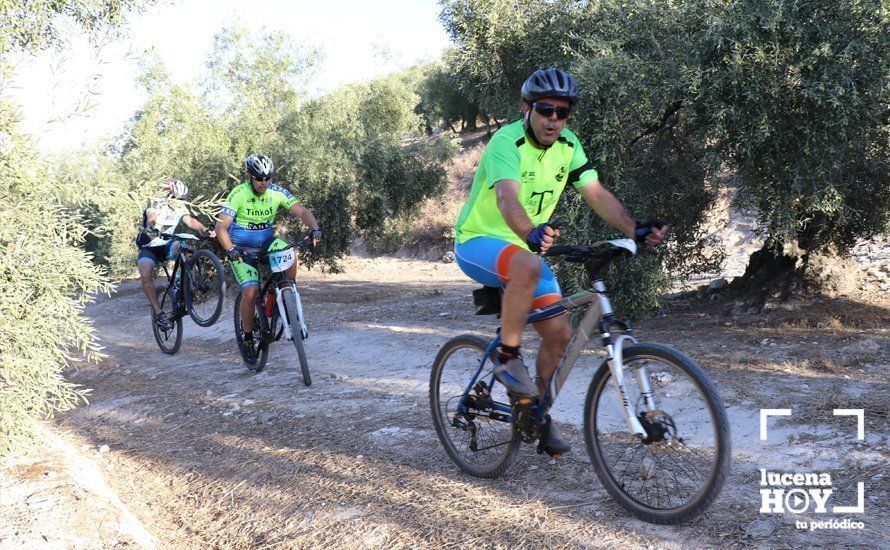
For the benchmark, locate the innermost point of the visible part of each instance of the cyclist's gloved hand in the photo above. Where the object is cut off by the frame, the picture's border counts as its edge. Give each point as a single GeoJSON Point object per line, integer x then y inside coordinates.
{"type": "Point", "coordinates": [650, 232]}
{"type": "Point", "coordinates": [541, 237]}
{"type": "Point", "coordinates": [314, 236]}
{"type": "Point", "coordinates": [146, 235]}
{"type": "Point", "coordinates": [234, 254]}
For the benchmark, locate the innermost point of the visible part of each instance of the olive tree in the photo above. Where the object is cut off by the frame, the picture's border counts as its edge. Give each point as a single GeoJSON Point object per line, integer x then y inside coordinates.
{"type": "Point", "coordinates": [45, 277]}
{"type": "Point", "coordinates": [795, 96]}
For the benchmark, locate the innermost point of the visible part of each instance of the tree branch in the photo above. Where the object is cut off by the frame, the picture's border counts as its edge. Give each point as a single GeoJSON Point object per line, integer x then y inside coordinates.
{"type": "Point", "coordinates": [655, 128]}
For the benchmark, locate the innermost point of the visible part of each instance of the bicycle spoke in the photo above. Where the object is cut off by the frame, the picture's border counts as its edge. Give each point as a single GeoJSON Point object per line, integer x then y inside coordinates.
{"type": "Point", "coordinates": [664, 472]}
{"type": "Point", "coordinates": [492, 440]}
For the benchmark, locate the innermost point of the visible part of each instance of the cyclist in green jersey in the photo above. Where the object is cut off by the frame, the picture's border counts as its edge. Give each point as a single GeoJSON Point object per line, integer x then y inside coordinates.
{"type": "Point", "coordinates": [246, 222]}
{"type": "Point", "coordinates": [503, 225]}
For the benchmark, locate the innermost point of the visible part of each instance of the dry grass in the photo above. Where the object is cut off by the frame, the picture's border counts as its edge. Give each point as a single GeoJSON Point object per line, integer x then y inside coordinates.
{"type": "Point", "coordinates": [432, 233]}
{"type": "Point", "coordinates": [307, 467]}
{"type": "Point", "coordinates": [876, 406]}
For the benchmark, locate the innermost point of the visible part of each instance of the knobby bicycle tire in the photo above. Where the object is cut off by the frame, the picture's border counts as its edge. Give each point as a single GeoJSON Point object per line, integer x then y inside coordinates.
{"type": "Point", "coordinates": [258, 325]}
{"type": "Point", "coordinates": [722, 461]}
{"type": "Point", "coordinates": [166, 299]}
{"type": "Point", "coordinates": [217, 284]}
{"type": "Point", "coordinates": [290, 307]}
{"type": "Point", "coordinates": [510, 445]}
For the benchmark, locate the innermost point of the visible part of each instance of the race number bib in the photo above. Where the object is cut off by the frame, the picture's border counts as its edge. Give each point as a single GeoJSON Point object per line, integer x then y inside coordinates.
{"type": "Point", "coordinates": [281, 260]}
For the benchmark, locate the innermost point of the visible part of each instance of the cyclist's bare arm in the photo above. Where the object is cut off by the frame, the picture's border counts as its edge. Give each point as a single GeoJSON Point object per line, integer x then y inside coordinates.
{"type": "Point", "coordinates": [304, 214]}
{"type": "Point", "coordinates": [151, 217]}
{"type": "Point", "coordinates": [608, 208]}
{"type": "Point", "coordinates": [222, 231]}
{"type": "Point", "coordinates": [194, 224]}
{"type": "Point", "coordinates": [515, 215]}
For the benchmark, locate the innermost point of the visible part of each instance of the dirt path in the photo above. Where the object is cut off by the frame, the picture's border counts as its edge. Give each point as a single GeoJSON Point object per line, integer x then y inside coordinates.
{"type": "Point", "coordinates": [204, 452]}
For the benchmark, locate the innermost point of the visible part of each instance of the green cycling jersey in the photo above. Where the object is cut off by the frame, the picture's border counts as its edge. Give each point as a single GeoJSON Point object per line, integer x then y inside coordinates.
{"type": "Point", "coordinates": [542, 175]}
{"type": "Point", "coordinates": [254, 215]}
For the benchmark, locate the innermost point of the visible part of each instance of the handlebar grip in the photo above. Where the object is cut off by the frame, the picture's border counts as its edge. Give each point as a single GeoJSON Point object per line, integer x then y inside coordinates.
{"type": "Point", "coordinates": [559, 250]}
{"type": "Point", "coordinates": [557, 224]}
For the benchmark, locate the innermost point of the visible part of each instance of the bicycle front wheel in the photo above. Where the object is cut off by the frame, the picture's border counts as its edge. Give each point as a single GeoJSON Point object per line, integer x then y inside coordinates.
{"type": "Point", "coordinates": [677, 471]}
{"type": "Point", "coordinates": [293, 319]}
{"type": "Point", "coordinates": [258, 362]}
{"type": "Point", "coordinates": [168, 340]}
{"type": "Point", "coordinates": [475, 428]}
{"type": "Point", "coordinates": [205, 288]}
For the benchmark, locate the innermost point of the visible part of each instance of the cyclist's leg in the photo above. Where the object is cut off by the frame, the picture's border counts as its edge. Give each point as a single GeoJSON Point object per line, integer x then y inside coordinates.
{"type": "Point", "coordinates": [145, 264]}
{"type": "Point", "coordinates": [494, 262]}
{"type": "Point", "coordinates": [555, 332]}
{"type": "Point", "coordinates": [523, 271]}
{"type": "Point", "coordinates": [249, 278]}
{"type": "Point", "coordinates": [172, 250]}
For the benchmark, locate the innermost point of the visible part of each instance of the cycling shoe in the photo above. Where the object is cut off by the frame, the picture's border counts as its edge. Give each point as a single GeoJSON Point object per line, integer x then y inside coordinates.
{"type": "Point", "coordinates": [514, 376]}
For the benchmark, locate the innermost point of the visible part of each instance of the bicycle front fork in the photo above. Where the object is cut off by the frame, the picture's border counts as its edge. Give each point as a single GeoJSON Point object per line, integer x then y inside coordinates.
{"type": "Point", "coordinates": [283, 312]}
{"type": "Point", "coordinates": [616, 365]}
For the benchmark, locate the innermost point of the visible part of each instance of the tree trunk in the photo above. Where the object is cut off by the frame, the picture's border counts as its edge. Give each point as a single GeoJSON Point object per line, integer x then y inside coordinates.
{"type": "Point", "coordinates": [779, 273]}
{"type": "Point", "coordinates": [768, 276]}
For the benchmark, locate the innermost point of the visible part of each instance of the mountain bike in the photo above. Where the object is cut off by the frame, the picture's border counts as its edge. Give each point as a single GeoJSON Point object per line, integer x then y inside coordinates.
{"type": "Point", "coordinates": [195, 287]}
{"type": "Point", "coordinates": [654, 425]}
{"type": "Point", "coordinates": [279, 310]}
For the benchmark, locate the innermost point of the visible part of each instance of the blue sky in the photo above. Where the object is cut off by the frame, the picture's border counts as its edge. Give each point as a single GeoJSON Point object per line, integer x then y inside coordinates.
{"type": "Point", "coordinates": [359, 40]}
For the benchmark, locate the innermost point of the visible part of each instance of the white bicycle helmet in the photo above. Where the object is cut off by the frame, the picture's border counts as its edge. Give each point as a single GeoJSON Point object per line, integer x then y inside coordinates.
{"type": "Point", "coordinates": [259, 166]}
{"type": "Point", "coordinates": [176, 189]}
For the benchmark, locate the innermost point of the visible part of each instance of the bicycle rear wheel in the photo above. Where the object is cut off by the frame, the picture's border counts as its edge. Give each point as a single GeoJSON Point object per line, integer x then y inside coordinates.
{"type": "Point", "coordinates": [677, 472]}
{"type": "Point", "coordinates": [293, 318]}
{"type": "Point", "coordinates": [205, 288]}
{"type": "Point", "coordinates": [168, 340]}
{"type": "Point", "coordinates": [476, 433]}
{"type": "Point", "coordinates": [257, 363]}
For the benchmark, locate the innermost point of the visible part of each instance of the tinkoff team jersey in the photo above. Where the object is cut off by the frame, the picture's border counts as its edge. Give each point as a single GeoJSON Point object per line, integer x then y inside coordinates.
{"type": "Point", "coordinates": [542, 175]}
{"type": "Point", "coordinates": [254, 216]}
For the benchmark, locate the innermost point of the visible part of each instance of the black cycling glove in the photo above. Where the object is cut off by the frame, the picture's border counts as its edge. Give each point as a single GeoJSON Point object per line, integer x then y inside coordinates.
{"type": "Point", "coordinates": [234, 255]}
{"type": "Point", "coordinates": [146, 235]}
{"type": "Point", "coordinates": [644, 228]}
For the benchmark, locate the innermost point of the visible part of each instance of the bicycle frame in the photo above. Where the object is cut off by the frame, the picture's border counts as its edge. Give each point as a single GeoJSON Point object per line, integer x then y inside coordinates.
{"type": "Point", "coordinates": [600, 309]}
{"type": "Point", "coordinates": [276, 280]}
{"type": "Point", "coordinates": [178, 264]}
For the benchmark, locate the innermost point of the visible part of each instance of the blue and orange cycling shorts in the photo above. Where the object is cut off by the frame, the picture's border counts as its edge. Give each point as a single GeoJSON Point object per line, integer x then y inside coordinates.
{"type": "Point", "coordinates": [486, 261]}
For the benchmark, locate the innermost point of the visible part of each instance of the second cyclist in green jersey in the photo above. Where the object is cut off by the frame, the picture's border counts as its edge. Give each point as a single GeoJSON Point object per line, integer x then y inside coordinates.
{"type": "Point", "coordinates": [247, 223]}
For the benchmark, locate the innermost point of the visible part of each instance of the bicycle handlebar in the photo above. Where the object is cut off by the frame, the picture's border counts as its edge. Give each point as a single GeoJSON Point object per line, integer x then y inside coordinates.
{"type": "Point", "coordinates": [185, 236]}
{"type": "Point", "coordinates": [257, 255]}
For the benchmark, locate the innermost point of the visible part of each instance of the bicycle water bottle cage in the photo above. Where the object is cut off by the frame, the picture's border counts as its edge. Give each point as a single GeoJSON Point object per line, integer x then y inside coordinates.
{"type": "Point", "coordinates": [487, 300]}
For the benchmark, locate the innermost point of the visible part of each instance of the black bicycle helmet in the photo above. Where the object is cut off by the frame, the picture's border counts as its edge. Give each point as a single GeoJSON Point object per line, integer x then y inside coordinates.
{"type": "Point", "coordinates": [259, 166]}
{"type": "Point", "coordinates": [550, 83]}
